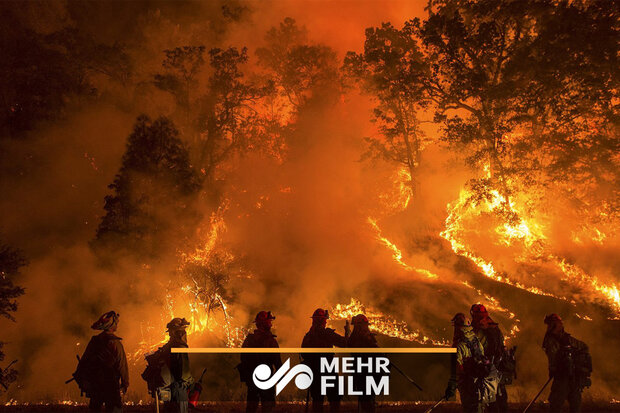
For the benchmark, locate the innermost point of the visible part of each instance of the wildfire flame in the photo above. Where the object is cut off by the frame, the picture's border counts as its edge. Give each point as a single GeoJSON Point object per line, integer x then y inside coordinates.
{"type": "Point", "coordinates": [193, 298]}
{"type": "Point", "coordinates": [532, 237]}
{"type": "Point", "coordinates": [397, 255]}
{"type": "Point", "coordinates": [398, 196]}
{"type": "Point", "coordinates": [397, 200]}
{"type": "Point", "coordinates": [383, 324]}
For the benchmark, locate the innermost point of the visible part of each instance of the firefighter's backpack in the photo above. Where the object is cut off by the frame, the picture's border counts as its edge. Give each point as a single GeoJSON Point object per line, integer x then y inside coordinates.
{"type": "Point", "coordinates": [487, 378]}
{"type": "Point", "coordinates": [157, 373]}
{"type": "Point", "coordinates": [87, 375]}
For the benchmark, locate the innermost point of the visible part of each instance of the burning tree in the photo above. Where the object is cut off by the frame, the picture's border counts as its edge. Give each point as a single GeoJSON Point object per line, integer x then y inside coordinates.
{"type": "Point", "coordinates": [209, 283]}
{"type": "Point", "coordinates": [10, 262]}
{"type": "Point", "coordinates": [205, 274]}
{"type": "Point", "coordinates": [527, 92]}
{"type": "Point", "coordinates": [507, 77]}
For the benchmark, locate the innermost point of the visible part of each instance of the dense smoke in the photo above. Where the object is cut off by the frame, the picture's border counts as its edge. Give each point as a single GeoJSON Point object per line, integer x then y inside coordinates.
{"type": "Point", "coordinates": [296, 216]}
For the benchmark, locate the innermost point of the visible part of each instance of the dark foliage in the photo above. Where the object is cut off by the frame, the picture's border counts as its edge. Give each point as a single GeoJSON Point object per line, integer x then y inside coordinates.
{"type": "Point", "coordinates": [42, 73]}
{"type": "Point", "coordinates": [11, 261]}
{"type": "Point", "coordinates": [154, 188]}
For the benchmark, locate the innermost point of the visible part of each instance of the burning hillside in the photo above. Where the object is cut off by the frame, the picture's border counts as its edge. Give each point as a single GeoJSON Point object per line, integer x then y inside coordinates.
{"type": "Point", "coordinates": [209, 160]}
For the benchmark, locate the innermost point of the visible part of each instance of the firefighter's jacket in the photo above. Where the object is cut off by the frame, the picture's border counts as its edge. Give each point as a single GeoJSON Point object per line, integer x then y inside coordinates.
{"type": "Point", "coordinates": [180, 371]}
{"type": "Point", "coordinates": [464, 357]}
{"type": "Point", "coordinates": [568, 357]}
{"type": "Point", "coordinates": [104, 360]}
{"type": "Point", "coordinates": [491, 338]}
{"type": "Point", "coordinates": [260, 338]}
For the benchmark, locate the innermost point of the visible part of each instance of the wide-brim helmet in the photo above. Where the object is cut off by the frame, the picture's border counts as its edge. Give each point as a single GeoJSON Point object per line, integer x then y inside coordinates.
{"type": "Point", "coordinates": [459, 320]}
{"type": "Point", "coordinates": [177, 324]}
{"type": "Point", "coordinates": [106, 321]}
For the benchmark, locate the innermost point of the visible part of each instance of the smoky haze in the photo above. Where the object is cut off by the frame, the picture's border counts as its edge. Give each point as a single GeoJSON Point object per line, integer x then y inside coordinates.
{"type": "Point", "coordinates": [312, 223]}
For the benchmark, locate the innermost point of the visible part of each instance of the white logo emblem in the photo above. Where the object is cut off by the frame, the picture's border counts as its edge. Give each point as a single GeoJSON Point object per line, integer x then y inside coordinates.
{"type": "Point", "coordinates": [282, 377]}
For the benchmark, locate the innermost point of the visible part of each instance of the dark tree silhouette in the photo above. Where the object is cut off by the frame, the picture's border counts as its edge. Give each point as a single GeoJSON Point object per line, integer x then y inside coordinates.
{"type": "Point", "coordinates": [295, 66]}
{"type": "Point", "coordinates": [219, 113]}
{"type": "Point", "coordinates": [507, 77]}
{"type": "Point", "coordinates": [151, 204]}
{"type": "Point", "coordinates": [391, 69]}
{"type": "Point", "coordinates": [226, 110]}
{"type": "Point", "coordinates": [37, 77]}
{"type": "Point", "coordinates": [11, 261]}
{"type": "Point", "coordinates": [183, 65]}
{"type": "Point", "coordinates": [42, 73]}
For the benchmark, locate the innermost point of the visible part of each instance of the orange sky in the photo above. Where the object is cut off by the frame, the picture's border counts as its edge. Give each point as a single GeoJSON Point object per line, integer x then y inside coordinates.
{"type": "Point", "coordinates": [320, 17]}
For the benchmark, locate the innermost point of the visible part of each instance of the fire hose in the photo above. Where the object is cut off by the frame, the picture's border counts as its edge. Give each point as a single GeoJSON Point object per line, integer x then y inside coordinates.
{"type": "Point", "coordinates": [406, 376]}
{"type": "Point", "coordinates": [537, 395]}
{"type": "Point", "coordinates": [433, 407]}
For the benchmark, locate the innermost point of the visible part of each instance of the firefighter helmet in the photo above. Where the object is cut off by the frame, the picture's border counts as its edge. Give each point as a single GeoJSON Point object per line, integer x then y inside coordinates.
{"type": "Point", "coordinates": [106, 321]}
{"type": "Point", "coordinates": [264, 316]}
{"type": "Point", "coordinates": [552, 319]}
{"type": "Point", "coordinates": [177, 324]}
{"type": "Point", "coordinates": [320, 314]}
{"type": "Point", "coordinates": [359, 319]}
{"type": "Point", "coordinates": [478, 309]}
{"type": "Point", "coordinates": [458, 320]}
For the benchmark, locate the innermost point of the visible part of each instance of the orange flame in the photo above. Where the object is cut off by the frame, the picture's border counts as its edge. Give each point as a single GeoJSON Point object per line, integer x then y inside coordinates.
{"type": "Point", "coordinates": [383, 324]}
{"type": "Point", "coordinates": [531, 235]}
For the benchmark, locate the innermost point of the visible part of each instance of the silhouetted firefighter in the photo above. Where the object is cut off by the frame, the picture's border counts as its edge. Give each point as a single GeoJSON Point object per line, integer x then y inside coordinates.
{"type": "Point", "coordinates": [570, 365]}
{"type": "Point", "coordinates": [490, 336]}
{"type": "Point", "coordinates": [102, 372]}
{"type": "Point", "coordinates": [167, 374]}
{"type": "Point", "coordinates": [473, 373]}
{"type": "Point", "coordinates": [179, 366]}
{"type": "Point", "coordinates": [361, 337]}
{"type": "Point", "coordinates": [319, 336]}
{"type": "Point", "coordinates": [260, 338]}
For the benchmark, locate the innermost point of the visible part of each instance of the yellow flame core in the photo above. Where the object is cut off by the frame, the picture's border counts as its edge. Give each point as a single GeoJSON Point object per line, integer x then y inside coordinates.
{"type": "Point", "coordinates": [192, 301]}
{"type": "Point", "coordinates": [383, 324]}
{"type": "Point", "coordinates": [509, 232]}
{"type": "Point", "coordinates": [532, 238]}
